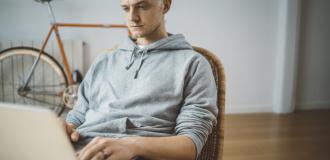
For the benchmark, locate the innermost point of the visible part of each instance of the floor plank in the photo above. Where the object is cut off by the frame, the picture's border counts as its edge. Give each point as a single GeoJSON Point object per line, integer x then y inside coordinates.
{"type": "Point", "coordinates": [266, 136]}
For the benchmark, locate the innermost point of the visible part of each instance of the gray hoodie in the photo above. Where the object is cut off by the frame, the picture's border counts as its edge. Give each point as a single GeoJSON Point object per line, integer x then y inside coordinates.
{"type": "Point", "coordinates": [164, 89]}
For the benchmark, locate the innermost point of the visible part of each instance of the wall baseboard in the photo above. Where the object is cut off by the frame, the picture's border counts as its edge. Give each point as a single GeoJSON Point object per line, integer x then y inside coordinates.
{"type": "Point", "coordinates": [233, 109]}
{"type": "Point", "coordinates": [313, 105]}
{"type": "Point", "coordinates": [237, 109]}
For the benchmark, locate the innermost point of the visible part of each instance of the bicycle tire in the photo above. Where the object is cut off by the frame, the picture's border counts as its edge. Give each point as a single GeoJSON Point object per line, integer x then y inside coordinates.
{"type": "Point", "coordinates": [47, 83]}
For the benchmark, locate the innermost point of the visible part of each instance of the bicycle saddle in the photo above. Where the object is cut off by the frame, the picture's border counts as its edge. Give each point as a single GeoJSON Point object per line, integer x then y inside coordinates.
{"type": "Point", "coordinates": [42, 1]}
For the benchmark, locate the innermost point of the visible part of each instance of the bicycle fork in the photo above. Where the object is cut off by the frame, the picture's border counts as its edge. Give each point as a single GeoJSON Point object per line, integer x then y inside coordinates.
{"type": "Point", "coordinates": [24, 90]}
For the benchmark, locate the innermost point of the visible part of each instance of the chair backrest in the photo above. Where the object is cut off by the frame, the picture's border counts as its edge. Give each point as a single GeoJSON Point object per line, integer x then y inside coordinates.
{"type": "Point", "coordinates": [213, 148]}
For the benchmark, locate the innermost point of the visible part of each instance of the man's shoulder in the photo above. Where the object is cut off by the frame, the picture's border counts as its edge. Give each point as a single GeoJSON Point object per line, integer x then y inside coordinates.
{"type": "Point", "coordinates": [195, 58]}
{"type": "Point", "coordinates": [192, 55]}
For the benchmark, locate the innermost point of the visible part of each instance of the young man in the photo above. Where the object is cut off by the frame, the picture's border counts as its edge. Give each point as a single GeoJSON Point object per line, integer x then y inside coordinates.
{"type": "Point", "coordinates": [152, 98]}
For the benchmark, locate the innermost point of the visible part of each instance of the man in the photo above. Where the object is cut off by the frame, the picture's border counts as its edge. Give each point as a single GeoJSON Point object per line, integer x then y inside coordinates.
{"type": "Point", "coordinates": [152, 98]}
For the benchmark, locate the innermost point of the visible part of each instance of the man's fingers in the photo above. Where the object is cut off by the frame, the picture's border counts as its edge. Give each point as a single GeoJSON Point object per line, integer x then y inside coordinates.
{"type": "Point", "coordinates": [98, 156]}
{"type": "Point", "coordinates": [95, 146]}
{"type": "Point", "coordinates": [74, 136]}
{"type": "Point", "coordinates": [87, 147]}
{"type": "Point", "coordinates": [69, 129]}
{"type": "Point", "coordinates": [72, 133]}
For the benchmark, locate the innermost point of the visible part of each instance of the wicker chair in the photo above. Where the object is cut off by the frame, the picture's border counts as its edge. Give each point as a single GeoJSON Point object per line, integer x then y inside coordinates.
{"type": "Point", "coordinates": [213, 148]}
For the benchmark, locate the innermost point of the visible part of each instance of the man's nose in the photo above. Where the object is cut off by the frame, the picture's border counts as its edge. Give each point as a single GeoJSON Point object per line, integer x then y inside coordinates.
{"type": "Point", "coordinates": [134, 15]}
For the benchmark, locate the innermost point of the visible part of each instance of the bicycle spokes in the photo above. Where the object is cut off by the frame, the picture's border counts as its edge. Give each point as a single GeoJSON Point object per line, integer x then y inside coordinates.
{"type": "Point", "coordinates": [47, 81]}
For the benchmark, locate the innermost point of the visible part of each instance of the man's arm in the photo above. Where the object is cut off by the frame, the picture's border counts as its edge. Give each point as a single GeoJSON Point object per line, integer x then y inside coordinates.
{"type": "Point", "coordinates": [160, 148]}
{"type": "Point", "coordinates": [77, 115]}
{"type": "Point", "coordinates": [199, 111]}
{"type": "Point", "coordinates": [175, 147]}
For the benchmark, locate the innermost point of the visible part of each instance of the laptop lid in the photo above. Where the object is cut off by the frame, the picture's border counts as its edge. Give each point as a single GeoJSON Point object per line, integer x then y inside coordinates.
{"type": "Point", "coordinates": [32, 133]}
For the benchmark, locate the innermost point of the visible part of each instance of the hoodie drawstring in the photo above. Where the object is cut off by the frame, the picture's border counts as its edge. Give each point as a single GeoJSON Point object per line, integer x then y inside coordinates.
{"type": "Point", "coordinates": [133, 58]}
{"type": "Point", "coordinates": [140, 64]}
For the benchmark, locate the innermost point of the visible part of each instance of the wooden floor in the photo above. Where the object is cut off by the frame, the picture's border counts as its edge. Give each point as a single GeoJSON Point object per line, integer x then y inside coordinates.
{"type": "Point", "coordinates": [304, 135]}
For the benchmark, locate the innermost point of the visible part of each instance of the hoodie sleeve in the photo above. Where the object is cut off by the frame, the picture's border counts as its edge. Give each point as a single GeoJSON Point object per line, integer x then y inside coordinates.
{"type": "Point", "coordinates": [77, 115]}
{"type": "Point", "coordinates": [199, 111]}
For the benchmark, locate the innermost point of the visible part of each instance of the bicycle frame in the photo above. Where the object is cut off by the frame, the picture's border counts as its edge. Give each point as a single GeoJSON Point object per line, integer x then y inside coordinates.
{"type": "Point", "coordinates": [55, 28]}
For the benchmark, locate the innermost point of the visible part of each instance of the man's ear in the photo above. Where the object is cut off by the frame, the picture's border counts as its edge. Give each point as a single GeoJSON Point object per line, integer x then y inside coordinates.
{"type": "Point", "coordinates": [167, 5]}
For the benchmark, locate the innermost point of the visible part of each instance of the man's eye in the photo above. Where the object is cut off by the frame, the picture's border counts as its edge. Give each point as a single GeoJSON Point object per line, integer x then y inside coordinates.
{"type": "Point", "coordinates": [142, 7]}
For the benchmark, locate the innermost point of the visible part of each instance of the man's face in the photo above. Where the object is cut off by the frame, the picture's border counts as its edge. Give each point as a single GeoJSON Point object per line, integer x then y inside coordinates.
{"type": "Point", "coordinates": [143, 17]}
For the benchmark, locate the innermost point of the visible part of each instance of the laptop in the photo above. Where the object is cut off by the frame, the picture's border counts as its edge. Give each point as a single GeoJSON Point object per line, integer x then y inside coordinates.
{"type": "Point", "coordinates": [32, 133]}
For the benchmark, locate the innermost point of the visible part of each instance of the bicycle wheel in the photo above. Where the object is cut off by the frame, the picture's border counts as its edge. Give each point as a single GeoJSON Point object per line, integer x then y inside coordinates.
{"type": "Point", "coordinates": [47, 83]}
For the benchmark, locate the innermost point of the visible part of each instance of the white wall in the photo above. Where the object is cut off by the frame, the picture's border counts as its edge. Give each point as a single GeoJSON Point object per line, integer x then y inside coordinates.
{"type": "Point", "coordinates": [28, 20]}
{"type": "Point", "coordinates": [313, 90]}
{"type": "Point", "coordinates": [242, 33]}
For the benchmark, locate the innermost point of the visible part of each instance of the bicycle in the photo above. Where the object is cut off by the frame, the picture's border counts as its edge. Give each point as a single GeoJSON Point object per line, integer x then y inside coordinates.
{"type": "Point", "coordinates": [35, 77]}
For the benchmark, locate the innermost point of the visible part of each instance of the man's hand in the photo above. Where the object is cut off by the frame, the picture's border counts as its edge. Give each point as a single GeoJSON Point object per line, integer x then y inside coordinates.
{"type": "Point", "coordinates": [109, 148]}
{"type": "Point", "coordinates": [70, 131]}
{"type": "Point", "coordinates": [130, 148]}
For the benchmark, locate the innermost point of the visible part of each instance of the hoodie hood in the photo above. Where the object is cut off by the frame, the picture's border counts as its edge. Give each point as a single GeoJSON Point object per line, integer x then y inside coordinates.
{"type": "Point", "coordinates": [172, 42]}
